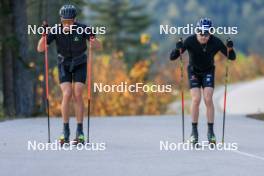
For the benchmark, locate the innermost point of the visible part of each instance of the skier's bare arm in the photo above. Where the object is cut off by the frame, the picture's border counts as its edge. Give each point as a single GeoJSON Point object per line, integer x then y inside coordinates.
{"type": "Point", "coordinates": [41, 45]}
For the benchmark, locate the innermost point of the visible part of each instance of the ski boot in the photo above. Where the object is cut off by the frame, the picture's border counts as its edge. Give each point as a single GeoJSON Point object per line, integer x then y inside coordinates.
{"type": "Point", "coordinates": [194, 139]}
{"type": "Point", "coordinates": [80, 139]}
{"type": "Point", "coordinates": [64, 139]}
{"type": "Point", "coordinates": [211, 138]}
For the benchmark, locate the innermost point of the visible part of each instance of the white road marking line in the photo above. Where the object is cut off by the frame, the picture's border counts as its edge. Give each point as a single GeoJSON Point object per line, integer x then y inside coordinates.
{"type": "Point", "coordinates": [248, 154]}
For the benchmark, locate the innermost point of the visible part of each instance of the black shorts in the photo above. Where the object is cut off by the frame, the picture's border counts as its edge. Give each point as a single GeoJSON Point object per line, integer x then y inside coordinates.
{"type": "Point", "coordinates": [201, 79]}
{"type": "Point", "coordinates": [78, 73]}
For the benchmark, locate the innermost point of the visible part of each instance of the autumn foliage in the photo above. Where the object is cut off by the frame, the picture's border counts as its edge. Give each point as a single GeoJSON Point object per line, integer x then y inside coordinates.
{"type": "Point", "coordinates": [111, 69]}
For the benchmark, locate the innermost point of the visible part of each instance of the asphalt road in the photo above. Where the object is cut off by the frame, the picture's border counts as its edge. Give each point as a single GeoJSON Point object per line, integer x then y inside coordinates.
{"type": "Point", "coordinates": [132, 148]}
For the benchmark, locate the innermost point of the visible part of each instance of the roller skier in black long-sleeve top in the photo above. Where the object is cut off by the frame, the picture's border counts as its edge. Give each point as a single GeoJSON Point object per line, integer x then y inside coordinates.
{"type": "Point", "coordinates": [202, 48]}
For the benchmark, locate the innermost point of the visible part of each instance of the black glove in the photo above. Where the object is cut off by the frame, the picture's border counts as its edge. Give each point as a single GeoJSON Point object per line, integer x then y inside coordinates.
{"type": "Point", "coordinates": [179, 45]}
{"type": "Point", "coordinates": [229, 43]}
{"type": "Point", "coordinates": [45, 26]}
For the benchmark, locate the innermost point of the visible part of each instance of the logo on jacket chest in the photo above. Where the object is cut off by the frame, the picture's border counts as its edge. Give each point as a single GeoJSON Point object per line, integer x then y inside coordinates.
{"type": "Point", "coordinates": [76, 39]}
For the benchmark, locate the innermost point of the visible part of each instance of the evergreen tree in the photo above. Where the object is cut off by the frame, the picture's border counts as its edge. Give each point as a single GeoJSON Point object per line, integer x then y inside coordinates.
{"type": "Point", "coordinates": [124, 21]}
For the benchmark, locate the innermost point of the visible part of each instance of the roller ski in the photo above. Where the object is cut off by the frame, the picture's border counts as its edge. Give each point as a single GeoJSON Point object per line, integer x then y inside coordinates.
{"type": "Point", "coordinates": [64, 140]}
{"type": "Point", "coordinates": [65, 137]}
{"type": "Point", "coordinates": [211, 138]}
{"type": "Point", "coordinates": [80, 139]}
{"type": "Point", "coordinates": [193, 140]}
{"type": "Point", "coordinates": [211, 135]}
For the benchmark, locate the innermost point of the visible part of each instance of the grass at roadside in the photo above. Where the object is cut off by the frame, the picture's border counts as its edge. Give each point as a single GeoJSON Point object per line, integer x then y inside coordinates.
{"type": "Point", "coordinates": [1, 113]}
{"type": "Point", "coordinates": [256, 116]}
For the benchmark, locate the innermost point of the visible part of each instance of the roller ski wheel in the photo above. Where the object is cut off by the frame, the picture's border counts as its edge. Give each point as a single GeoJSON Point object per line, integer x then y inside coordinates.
{"type": "Point", "coordinates": [64, 140]}
{"type": "Point", "coordinates": [79, 140]}
{"type": "Point", "coordinates": [193, 140]}
{"type": "Point", "coordinates": [211, 139]}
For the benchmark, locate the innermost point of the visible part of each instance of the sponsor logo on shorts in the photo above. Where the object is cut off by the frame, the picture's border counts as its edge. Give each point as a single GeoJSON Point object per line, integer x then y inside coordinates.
{"type": "Point", "coordinates": [193, 77]}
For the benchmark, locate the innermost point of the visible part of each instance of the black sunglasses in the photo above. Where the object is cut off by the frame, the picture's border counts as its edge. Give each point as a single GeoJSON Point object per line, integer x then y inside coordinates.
{"type": "Point", "coordinates": [204, 34]}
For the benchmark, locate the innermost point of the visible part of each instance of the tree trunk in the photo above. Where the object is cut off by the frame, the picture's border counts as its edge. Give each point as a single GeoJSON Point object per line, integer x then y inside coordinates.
{"type": "Point", "coordinates": [7, 39]}
{"type": "Point", "coordinates": [24, 85]}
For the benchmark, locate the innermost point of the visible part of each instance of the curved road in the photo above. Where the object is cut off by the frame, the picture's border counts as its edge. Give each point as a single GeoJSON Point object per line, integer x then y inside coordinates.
{"type": "Point", "coordinates": [133, 148]}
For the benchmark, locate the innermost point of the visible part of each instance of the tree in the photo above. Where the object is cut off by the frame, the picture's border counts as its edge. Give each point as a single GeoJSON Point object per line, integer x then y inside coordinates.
{"type": "Point", "coordinates": [17, 75]}
{"type": "Point", "coordinates": [7, 39]}
{"type": "Point", "coordinates": [23, 77]}
{"type": "Point", "coordinates": [124, 22]}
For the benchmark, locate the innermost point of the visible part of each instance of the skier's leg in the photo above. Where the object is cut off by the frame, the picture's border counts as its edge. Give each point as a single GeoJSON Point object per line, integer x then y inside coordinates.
{"type": "Point", "coordinates": [195, 88]}
{"type": "Point", "coordinates": [79, 111]}
{"type": "Point", "coordinates": [195, 84]}
{"type": "Point", "coordinates": [78, 101]}
{"type": "Point", "coordinates": [196, 99]}
{"type": "Point", "coordinates": [208, 100]}
{"type": "Point", "coordinates": [66, 88]}
{"type": "Point", "coordinates": [79, 78]}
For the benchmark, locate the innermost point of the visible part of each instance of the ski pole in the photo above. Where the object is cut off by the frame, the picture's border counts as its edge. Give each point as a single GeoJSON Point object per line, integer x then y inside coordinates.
{"type": "Point", "coordinates": [225, 93]}
{"type": "Point", "coordinates": [47, 81]}
{"type": "Point", "coordinates": [182, 93]}
{"type": "Point", "coordinates": [89, 74]}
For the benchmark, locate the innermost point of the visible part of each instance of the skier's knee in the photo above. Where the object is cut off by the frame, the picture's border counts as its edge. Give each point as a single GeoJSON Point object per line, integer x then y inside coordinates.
{"type": "Point", "coordinates": [196, 101]}
{"type": "Point", "coordinates": [208, 100]}
{"type": "Point", "coordinates": [77, 97]}
{"type": "Point", "coordinates": [67, 94]}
